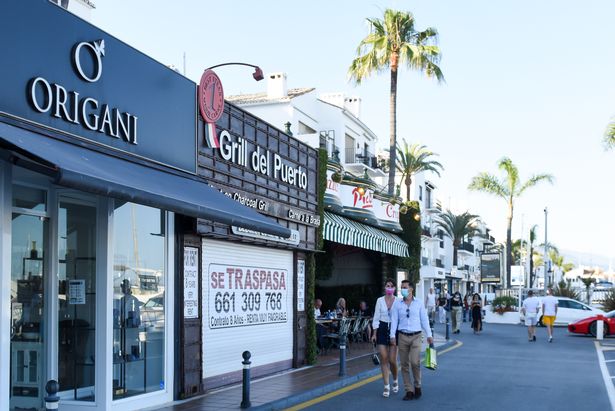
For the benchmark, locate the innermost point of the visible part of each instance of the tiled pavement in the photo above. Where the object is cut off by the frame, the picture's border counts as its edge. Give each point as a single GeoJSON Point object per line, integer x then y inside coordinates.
{"type": "Point", "coordinates": [290, 387]}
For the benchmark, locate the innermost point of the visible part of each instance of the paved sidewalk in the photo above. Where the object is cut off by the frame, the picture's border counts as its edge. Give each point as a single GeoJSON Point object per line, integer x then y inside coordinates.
{"type": "Point", "coordinates": [292, 387]}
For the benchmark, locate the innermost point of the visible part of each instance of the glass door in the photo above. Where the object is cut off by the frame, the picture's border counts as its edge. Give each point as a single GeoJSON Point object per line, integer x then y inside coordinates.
{"type": "Point", "coordinates": [28, 273]}
{"type": "Point", "coordinates": [77, 297]}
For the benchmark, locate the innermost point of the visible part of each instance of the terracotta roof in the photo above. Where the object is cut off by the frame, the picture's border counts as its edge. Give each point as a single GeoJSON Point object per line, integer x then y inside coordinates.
{"type": "Point", "coordinates": [262, 97]}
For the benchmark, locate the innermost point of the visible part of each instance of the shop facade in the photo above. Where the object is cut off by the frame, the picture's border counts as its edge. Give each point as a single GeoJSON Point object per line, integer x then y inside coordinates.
{"type": "Point", "coordinates": [110, 222]}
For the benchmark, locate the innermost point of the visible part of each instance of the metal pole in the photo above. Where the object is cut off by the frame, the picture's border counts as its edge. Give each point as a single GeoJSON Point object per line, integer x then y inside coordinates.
{"type": "Point", "coordinates": [546, 251]}
{"type": "Point", "coordinates": [245, 392]}
{"type": "Point", "coordinates": [342, 353]}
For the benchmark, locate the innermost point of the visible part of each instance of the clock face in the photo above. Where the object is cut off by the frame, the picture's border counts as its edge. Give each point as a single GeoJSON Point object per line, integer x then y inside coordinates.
{"type": "Point", "coordinates": [211, 97]}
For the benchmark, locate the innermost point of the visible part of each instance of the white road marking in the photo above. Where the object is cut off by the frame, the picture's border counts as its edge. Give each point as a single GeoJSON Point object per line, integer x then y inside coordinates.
{"type": "Point", "coordinates": [609, 360]}
{"type": "Point", "coordinates": [610, 389]}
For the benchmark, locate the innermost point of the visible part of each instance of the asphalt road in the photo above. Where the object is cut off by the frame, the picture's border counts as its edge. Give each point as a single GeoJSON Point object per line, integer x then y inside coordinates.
{"type": "Point", "coordinates": [498, 370]}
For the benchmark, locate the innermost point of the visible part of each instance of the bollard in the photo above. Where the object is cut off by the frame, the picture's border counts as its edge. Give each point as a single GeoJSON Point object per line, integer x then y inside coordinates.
{"type": "Point", "coordinates": [342, 355]}
{"type": "Point", "coordinates": [245, 392]}
{"type": "Point", "coordinates": [600, 328]}
{"type": "Point", "coordinates": [448, 326]}
{"type": "Point", "coordinates": [52, 398]}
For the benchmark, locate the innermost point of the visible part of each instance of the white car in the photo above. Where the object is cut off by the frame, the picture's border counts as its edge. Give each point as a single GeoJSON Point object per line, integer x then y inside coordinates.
{"type": "Point", "coordinates": [568, 311]}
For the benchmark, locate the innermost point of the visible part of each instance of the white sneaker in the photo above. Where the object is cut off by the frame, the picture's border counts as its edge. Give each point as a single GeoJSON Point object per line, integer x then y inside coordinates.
{"type": "Point", "coordinates": [395, 387]}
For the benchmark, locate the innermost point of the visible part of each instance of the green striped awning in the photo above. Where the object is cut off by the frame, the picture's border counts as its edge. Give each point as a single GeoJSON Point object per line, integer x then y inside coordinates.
{"type": "Point", "coordinates": [345, 231]}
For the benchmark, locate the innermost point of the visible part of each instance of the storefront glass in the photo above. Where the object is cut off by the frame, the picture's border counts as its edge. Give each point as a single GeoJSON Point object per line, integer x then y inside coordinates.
{"type": "Point", "coordinates": [77, 298]}
{"type": "Point", "coordinates": [28, 273]}
{"type": "Point", "coordinates": [139, 300]}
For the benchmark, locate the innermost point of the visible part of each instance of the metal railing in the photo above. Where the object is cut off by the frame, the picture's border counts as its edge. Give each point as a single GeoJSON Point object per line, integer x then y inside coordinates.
{"type": "Point", "coordinates": [467, 247]}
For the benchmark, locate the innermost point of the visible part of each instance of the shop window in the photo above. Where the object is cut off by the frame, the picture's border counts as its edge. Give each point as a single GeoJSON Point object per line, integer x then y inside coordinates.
{"type": "Point", "coordinates": [139, 300]}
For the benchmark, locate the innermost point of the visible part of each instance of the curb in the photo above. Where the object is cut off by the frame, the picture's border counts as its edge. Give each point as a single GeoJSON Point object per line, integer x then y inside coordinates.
{"type": "Point", "coordinates": [295, 399]}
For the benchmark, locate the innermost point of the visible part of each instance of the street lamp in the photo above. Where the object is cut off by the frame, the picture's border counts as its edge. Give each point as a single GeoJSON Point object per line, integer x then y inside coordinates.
{"type": "Point", "coordinates": [546, 251]}
{"type": "Point", "coordinates": [258, 73]}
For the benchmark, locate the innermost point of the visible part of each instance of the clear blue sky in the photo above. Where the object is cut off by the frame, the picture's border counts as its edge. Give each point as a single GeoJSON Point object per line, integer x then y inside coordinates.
{"type": "Point", "coordinates": [532, 80]}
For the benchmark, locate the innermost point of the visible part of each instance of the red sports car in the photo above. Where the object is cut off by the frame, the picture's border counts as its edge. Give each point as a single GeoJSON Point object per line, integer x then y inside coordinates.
{"type": "Point", "coordinates": [589, 325]}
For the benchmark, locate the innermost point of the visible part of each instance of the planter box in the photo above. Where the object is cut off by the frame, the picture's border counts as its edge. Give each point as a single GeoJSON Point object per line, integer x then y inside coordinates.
{"type": "Point", "coordinates": [506, 318]}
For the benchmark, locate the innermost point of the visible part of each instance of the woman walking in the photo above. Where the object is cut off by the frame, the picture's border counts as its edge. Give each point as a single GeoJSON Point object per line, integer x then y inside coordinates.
{"type": "Point", "coordinates": [477, 315]}
{"type": "Point", "coordinates": [381, 326]}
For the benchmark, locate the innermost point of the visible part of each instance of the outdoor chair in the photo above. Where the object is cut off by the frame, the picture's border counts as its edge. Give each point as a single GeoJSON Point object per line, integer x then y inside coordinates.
{"type": "Point", "coordinates": [333, 340]}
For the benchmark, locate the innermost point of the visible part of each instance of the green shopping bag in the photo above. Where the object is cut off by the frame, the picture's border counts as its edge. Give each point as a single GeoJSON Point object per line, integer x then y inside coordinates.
{"type": "Point", "coordinates": [431, 358]}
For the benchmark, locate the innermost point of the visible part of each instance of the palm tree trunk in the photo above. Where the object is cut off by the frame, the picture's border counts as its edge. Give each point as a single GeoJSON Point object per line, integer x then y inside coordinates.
{"type": "Point", "coordinates": [408, 184]}
{"type": "Point", "coordinates": [393, 130]}
{"type": "Point", "coordinates": [509, 245]}
{"type": "Point", "coordinates": [455, 248]}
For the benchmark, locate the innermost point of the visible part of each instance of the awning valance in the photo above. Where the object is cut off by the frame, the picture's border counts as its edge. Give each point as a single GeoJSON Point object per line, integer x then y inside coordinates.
{"type": "Point", "coordinates": [343, 230]}
{"type": "Point", "coordinates": [78, 167]}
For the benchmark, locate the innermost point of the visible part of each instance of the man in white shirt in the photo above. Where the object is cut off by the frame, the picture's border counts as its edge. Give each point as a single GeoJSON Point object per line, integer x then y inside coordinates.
{"type": "Point", "coordinates": [430, 303]}
{"type": "Point", "coordinates": [549, 312]}
{"type": "Point", "coordinates": [530, 311]}
{"type": "Point", "coordinates": [408, 317]}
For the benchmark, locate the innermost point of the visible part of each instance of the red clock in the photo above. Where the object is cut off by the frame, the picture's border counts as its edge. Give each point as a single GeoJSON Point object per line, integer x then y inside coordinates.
{"type": "Point", "coordinates": [211, 97]}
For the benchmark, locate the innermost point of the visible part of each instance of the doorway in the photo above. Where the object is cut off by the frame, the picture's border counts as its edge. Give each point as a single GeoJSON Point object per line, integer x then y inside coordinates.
{"type": "Point", "coordinates": [53, 304]}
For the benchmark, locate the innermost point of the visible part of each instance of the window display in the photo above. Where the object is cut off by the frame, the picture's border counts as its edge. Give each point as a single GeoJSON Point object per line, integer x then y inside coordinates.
{"type": "Point", "coordinates": [138, 302]}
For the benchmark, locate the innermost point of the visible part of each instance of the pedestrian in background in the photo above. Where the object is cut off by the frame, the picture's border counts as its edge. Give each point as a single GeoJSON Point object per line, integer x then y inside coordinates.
{"type": "Point", "coordinates": [467, 301]}
{"type": "Point", "coordinates": [549, 312]}
{"type": "Point", "coordinates": [456, 307]}
{"type": "Point", "coordinates": [430, 303]}
{"type": "Point", "coordinates": [477, 314]}
{"type": "Point", "coordinates": [381, 325]}
{"type": "Point", "coordinates": [408, 318]}
{"type": "Point", "coordinates": [530, 311]}
{"type": "Point", "coordinates": [442, 308]}
{"type": "Point", "coordinates": [340, 308]}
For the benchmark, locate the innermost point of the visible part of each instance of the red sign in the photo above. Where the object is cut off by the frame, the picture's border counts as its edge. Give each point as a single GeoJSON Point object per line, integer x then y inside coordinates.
{"type": "Point", "coordinates": [211, 104]}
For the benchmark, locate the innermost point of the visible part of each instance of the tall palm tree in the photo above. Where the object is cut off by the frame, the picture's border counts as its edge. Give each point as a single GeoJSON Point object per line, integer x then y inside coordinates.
{"type": "Point", "coordinates": [457, 227]}
{"type": "Point", "coordinates": [414, 159]}
{"type": "Point", "coordinates": [394, 41]}
{"type": "Point", "coordinates": [532, 240]}
{"type": "Point", "coordinates": [517, 250]}
{"type": "Point", "coordinates": [510, 188]}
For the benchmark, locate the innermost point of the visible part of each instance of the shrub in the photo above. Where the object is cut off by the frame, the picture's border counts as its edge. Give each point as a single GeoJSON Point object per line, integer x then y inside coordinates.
{"type": "Point", "coordinates": [563, 289]}
{"type": "Point", "coordinates": [609, 300]}
{"type": "Point", "coordinates": [504, 304]}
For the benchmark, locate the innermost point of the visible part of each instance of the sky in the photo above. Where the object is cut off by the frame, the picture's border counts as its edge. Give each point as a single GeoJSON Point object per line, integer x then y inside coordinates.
{"type": "Point", "coordinates": [533, 81]}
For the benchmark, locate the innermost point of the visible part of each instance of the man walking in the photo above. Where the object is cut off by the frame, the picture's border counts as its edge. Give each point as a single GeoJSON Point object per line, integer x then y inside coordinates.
{"type": "Point", "coordinates": [530, 311]}
{"type": "Point", "coordinates": [456, 307]}
{"type": "Point", "coordinates": [549, 312]}
{"type": "Point", "coordinates": [430, 303]}
{"type": "Point", "coordinates": [408, 317]}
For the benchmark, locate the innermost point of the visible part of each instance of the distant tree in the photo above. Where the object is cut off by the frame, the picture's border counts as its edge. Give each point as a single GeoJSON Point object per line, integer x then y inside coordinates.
{"type": "Point", "coordinates": [414, 159]}
{"type": "Point", "coordinates": [394, 41]}
{"type": "Point", "coordinates": [457, 227]}
{"type": "Point", "coordinates": [510, 188]}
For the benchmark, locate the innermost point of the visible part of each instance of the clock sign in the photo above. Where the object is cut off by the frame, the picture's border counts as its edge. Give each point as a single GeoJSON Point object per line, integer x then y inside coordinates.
{"type": "Point", "coordinates": [211, 105]}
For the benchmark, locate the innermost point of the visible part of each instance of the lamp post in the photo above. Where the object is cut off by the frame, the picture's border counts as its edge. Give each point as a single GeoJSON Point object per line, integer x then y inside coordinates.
{"type": "Point", "coordinates": [258, 73]}
{"type": "Point", "coordinates": [546, 251]}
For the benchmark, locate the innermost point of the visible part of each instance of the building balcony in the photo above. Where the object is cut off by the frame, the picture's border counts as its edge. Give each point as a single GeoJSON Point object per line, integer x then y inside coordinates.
{"type": "Point", "coordinates": [486, 238]}
{"type": "Point", "coordinates": [466, 248]}
{"type": "Point", "coordinates": [356, 161]}
{"type": "Point", "coordinates": [431, 272]}
{"type": "Point", "coordinates": [434, 206]}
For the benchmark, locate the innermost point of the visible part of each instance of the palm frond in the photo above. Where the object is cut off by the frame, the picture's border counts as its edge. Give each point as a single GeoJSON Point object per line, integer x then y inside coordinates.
{"type": "Point", "coordinates": [533, 181]}
{"type": "Point", "coordinates": [609, 135]}
{"type": "Point", "coordinates": [490, 184]}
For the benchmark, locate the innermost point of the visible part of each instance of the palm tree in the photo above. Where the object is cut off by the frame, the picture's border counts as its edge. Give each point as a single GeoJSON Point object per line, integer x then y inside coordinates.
{"type": "Point", "coordinates": [509, 189]}
{"type": "Point", "coordinates": [517, 250]}
{"type": "Point", "coordinates": [394, 41]}
{"type": "Point", "coordinates": [609, 135]}
{"type": "Point", "coordinates": [414, 159]}
{"type": "Point", "coordinates": [532, 239]}
{"type": "Point", "coordinates": [457, 227]}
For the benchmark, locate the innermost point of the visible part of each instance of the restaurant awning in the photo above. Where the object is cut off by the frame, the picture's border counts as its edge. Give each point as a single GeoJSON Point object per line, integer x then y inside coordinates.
{"type": "Point", "coordinates": [81, 168]}
{"type": "Point", "coordinates": [342, 230]}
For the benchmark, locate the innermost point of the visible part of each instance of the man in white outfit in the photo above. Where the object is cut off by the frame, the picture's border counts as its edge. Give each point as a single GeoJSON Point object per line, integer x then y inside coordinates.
{"type": "Point", "coordinates": [530, 311]}
{"type": "Point", "coordinates": [430, 304]}
{"type": "Point", "coordinates": [549, 312]}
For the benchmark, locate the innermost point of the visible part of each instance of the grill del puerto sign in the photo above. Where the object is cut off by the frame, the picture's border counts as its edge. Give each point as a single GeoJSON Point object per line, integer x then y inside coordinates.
{"type": "Point", "coordinates": [69, 105]}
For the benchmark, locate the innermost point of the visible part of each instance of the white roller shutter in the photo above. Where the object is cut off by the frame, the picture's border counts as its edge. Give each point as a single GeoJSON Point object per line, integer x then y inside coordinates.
{"type": "Point", "coordinates": [247, 305]}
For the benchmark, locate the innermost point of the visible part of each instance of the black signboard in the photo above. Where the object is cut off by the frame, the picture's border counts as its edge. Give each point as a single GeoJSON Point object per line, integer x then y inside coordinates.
{"type": "Point", "coordinates": [490, 268]}
{"type": "Point", "coordinates": [63, 73]}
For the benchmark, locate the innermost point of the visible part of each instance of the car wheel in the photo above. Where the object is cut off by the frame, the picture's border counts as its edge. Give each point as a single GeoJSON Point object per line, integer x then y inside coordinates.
{"type": "Point", "coordinates": [594, 326]}
{"type": "Point", "coordinates": [539, 323]}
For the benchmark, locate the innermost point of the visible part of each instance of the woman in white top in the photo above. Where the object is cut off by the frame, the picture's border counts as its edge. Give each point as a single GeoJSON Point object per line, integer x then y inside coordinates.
{"type": "Point", "coordinates": [381, 326]}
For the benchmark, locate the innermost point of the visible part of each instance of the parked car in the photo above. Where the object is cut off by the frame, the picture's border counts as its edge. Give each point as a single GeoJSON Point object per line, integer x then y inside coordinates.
{"type": "Point", "coordinates": [589, 325]}
{"type": "Point", "coordinates": [152, 312]}
{"type": "Point", "coordinates": [568, 311]}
